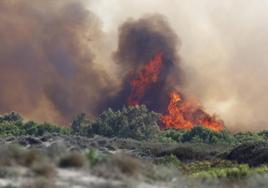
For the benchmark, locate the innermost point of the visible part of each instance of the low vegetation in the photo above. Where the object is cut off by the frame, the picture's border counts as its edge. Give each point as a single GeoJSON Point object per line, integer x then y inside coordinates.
{"type": "Point", "coordinates": [13, 125]}
{"type": "Point", "coordinates": [131, 122]}
{"type": "Point", "coordinates": [153, 153]}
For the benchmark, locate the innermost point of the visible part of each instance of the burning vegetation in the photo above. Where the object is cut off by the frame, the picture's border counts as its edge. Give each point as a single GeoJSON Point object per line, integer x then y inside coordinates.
{"type": "Point", "coordinates": [181, 113]}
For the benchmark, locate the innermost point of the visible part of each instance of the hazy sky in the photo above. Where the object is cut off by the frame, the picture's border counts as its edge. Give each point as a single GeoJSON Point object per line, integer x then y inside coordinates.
{"type": "Point", "coordinates": [224, 50]}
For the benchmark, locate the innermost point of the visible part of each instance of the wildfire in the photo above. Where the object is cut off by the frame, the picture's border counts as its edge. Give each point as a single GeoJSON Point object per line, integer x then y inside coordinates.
{"type": "Point", "coordinates": [185, 114]}
{"type": "Point", "coordinates": [181, 113]}
{"type": "Point", "coordinates": [147, 76]}
{"type": "Point", "coordinates": [175, 117]}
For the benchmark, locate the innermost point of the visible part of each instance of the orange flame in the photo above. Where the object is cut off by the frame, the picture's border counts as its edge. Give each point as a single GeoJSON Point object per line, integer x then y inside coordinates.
{"type": "Point", "coordinates": [148, 75]}
{"type": "Point", "coordinates": [181, 113]}
{"type": "Point", "coordinates": [185, 114]}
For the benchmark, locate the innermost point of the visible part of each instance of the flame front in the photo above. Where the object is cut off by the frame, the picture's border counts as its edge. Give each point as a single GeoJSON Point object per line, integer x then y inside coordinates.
{"type": "Point", "coordinates": [185, 114]}
{"type": "Point", "coordinates": [181, 113]}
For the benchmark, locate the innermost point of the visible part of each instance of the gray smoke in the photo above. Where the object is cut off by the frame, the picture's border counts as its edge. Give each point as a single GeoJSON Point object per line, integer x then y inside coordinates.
{"type": "Point", "coordinates": [47, 65]}
{"type": "Point", "coordinates": [139, 41]}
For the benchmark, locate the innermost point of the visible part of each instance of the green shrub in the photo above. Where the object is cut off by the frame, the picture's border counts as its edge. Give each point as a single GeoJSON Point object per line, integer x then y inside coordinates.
{"type": "Point", "coordinates": [94, 156]}
{"type": "Point", "coordinates": [169, 160]}
{"type": "Point", "coordinates": [263, 134]}
{"type": "Point", "coordinates": [135, 122]}
{"type": "Point", "coordinates": [203, 135]}
{"type": "Point", "coordinates": [80, 123]}
{"type": "Point", "coordinates": [11, 117]}
{"type": "Point", "coordinates": [170, 135]}
{"type": "Point", "coordinates": [249, 137]}
{"type": "Point", "coordinates": [12, 125]}
{"type": "Point", "coordinates": [238, 172]}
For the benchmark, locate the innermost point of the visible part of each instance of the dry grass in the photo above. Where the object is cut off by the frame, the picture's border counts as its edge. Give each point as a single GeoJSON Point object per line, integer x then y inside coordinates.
{"type": "Point", "coordinates": [44, 169]}
{"type": "Point", "coordinates": [40, 183]}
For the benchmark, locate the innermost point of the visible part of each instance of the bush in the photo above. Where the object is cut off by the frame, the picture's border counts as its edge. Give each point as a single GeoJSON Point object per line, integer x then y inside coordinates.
{"type": "Point", "coordinates": [169, 160]}
{"type": "Point", "coordinates": [11, 117]}
{"type": "Point", "coordinates": [203, 135]}
{"type": "Point", "coordinates": [249, 136]}
{"type": "Point", "coordinates": [79, 124]}
{"type": "Point", "coordinates": [169, 135]}
{"type": "Point", "coordinates": [238, 172]}
{"type": "Point", "coordinates": [94, 156]}
{"type": "Point", "coordinates": [12, 125]}
{"type": "Point", "coordinates": [131, 122]}
{"type": "Point", "coordinates": [44, 169]}
{"type": "Point", "coordinates": [13, 155]}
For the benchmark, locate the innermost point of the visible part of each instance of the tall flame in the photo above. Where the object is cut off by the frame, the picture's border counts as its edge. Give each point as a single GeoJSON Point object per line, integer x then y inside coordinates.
{"type": "Point", "coordinates": [147, 76]}
{"type": "Point", "coordinates": [185, 114]}
{"type": "Point", "coordinates": [175, 117]}
{"type": "Point", "coordinates": [181, 113]}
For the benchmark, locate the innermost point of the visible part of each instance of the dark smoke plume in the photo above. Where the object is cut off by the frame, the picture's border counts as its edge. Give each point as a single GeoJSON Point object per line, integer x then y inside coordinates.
{"type": "Point", "coordinates": [48, 70]}
{"type": "Point", "coordinates": [139, 41]}
{"type": "Point", "coordinates": [47, 67]}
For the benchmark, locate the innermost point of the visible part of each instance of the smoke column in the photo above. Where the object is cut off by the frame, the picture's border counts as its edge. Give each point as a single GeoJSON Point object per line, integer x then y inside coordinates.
{"type": "Point", "coordinates": [48, 70]}
{"type": "Point", "coordinates": [139, 41]}
{"type": "Point", "coordinates": [223, 51]}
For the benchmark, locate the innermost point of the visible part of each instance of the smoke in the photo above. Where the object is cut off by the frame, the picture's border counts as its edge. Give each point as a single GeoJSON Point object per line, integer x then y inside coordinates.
{"type": "Point", "coordinates": [139, 41]}
{"type": "Point", "coordinates": [59, 58]}
{"type": "Point", "coordinates": [223, 51]}
{"type": "Point", "coordinates": [46, 58]}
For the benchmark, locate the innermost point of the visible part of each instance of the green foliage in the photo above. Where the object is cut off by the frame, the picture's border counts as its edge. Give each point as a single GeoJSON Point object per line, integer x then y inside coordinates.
{"type": "Point", "coordinates": [11, 117]}
{"type": "Point", "coordinates": [197, 135]}
{"type": "Point", "coordinates": [249, 137]}
{"type": "Point", "coordinates": [198, 166]}
{"type": "Point", "coordinates": [94, 157]}
{"type": "Point", "coordinates": [135, 122]}
{"type": "Point", "coordinates": [171, 135]}
{"type": "Point", "coordinates": [9, 129]}
{"type": "Point", "coordinates": [238, 172]}
{"type": "Point", "coordinates": [12, 125]}
{"type": "Point", "coordinates": [79, 124]}
{"type": "Point", "coordinates": [221, 169]}
{"type": "Point", "coordinates": [169, 160]}
{"type": "Point", "coordinates": [203, 135]}
{"type": "Point", "coordinates": [32, 128]}
{"type": "Point", "coordinates": [263, 134]}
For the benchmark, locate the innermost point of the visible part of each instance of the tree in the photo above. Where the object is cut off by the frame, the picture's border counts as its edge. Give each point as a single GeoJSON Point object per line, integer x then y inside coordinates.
{"type": "Point", "coordinates": [79, 122]}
